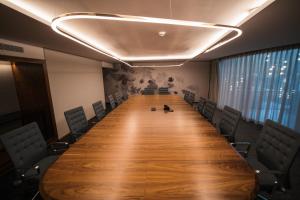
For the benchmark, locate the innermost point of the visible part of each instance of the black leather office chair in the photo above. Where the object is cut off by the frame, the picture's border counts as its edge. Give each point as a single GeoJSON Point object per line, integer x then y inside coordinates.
{"type": "Point", "coordinates": [290, 193]}
{"type": "Point", "coordinates": [200, 105]}
{"type": "Point", "coordinates": [148, 91]}
{"type": "Point", "coordinates": [209, 110]}
{"type": "Point", "coordinates": [275, 151]}
{"type": "Point", "coordinates": [228, 126]}
{"type": "Point", "coordinates": [163, 91]}
{"type": "Point", "coordinates": [77, 123]}
{"type": "Point", "coordinates": [29, 152]}
{"type": "Point", "coordinates": [99, 110]}
{"type": "Point", "coordinates": [186, 94]}
{"type": "Point", "coordinates": [125, 97]}
{"type": "Point", "coordinates": [229, 123]}
{"type": "Point", "coordinates": [118, 98]}
{"type": "Point", "coordinates": [112, 102]}
{"type": "Point", "coordinates": [191, 98]}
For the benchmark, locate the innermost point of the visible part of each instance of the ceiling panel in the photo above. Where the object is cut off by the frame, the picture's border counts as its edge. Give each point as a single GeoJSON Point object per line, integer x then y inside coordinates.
{"type": "Point", "coordinates": [276, 25]}
{"type": "Point", "coordinates": [213, 11]}
{"type": "Point", "coordinates": [140, 41]}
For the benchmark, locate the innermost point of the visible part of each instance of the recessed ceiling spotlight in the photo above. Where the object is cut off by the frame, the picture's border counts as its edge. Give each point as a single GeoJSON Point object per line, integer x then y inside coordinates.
{"type": "Point", "coordinates": [162, 33]}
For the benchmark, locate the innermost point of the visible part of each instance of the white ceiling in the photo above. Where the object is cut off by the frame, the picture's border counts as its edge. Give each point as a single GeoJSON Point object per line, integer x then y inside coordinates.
{"type": "Point", "coordinates": [140, 41]}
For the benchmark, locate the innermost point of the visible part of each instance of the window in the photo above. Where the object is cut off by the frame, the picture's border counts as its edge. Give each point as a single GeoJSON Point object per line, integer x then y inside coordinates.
{"type": "Point", "coordinates": [264, 85]}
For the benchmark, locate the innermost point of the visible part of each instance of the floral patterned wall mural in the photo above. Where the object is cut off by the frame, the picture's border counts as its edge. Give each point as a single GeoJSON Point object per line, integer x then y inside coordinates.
{"type": "Point", "coordinates": [193, 76]}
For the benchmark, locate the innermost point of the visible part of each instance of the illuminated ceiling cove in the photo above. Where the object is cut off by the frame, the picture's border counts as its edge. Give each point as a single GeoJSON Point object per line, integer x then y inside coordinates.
{"type": "Point", "coordinates": [142, 30]}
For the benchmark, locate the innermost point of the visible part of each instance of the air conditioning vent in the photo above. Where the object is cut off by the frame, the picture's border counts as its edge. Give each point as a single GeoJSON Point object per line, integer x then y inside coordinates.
{"type": "Point", "coordinates": [8, 47]}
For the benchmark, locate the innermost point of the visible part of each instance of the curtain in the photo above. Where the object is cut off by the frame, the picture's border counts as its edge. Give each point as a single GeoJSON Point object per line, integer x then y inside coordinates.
{"type": "Point", "coordinates": [213, 82]}
{"type": "Point", "coordinates": [263, 85]}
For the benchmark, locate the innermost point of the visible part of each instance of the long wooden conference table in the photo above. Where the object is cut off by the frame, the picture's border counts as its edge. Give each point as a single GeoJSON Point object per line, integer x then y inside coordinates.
{"type": "Point", "coordinates": [136, 153]}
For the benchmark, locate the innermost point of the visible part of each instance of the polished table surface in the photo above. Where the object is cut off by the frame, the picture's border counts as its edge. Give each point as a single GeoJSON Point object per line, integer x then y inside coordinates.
{"type": "Point", "coordinates": [134, 153]}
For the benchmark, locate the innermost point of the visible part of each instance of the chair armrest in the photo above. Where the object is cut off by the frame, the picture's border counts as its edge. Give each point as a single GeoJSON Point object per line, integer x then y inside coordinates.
{"type": "Point", "coordinates": [241, 143]}
{"type": "Point", "coordinates": [274, 172]}
{"type": "Point", "coordinates": [77, 134]}
{"type": "Point", "coordinates": [246, 145]}
{"type": "Point", "coordinates": [58, 147]}
{"type": "Point", "coordinates": [92, 122]}
{"type": "Point", "coordinates": [194, 104]}
{"type": "Point", "coordinates": [230, 138]}
{"type": "Point", "coordinates": [74, 136]}
{"type": "Point", "coordinates": [57, 151]}
{"type": "Point", "coordinates": [263, 196]}
{"type": "Point", "coordinates": [22, 177]}
{"type": "Point", "coordinates": [37, 168]}
{"type": "Point", "coordinates": [279, 185]}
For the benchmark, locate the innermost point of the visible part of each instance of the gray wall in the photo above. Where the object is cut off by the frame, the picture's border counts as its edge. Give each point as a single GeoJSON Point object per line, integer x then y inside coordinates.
{"type": "Point", "coordinates": [193, 76]}
{"type": "Point", "coordinates": [74, 81]}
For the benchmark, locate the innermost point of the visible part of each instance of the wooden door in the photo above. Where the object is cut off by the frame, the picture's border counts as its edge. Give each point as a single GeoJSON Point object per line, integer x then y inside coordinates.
{"type": "Point", "coordinates": [33, 94]}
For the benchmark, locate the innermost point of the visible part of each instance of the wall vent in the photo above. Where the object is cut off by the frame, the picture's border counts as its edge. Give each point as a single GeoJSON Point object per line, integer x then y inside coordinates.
{"type": "Point", "coordinates": [8, 47]}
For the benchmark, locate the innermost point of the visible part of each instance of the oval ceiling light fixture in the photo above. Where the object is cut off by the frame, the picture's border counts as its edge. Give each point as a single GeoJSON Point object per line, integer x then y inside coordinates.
{"type": "Point", "coordinates": [57, 26]}
{"type": "Point", "coordinates": [171, 65]}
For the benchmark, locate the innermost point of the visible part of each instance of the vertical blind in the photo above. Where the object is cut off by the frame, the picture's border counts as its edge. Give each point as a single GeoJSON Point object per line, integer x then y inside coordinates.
{"type": "Point", "coordinates": [263, 85]}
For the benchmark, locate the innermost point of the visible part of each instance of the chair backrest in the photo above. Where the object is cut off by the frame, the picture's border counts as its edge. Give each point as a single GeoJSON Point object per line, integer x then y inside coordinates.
{"type": "Point", "coordinates": [118, 98]}
{"type": "Point", "coordinates": [125, 97]}
{"type": "Point", "coordinates": [277, 146]}
{"type": "Point", "coordinates": [201, 104]}
{"type": "Point", "coordinates": [229, 122]}
{"type": "Point", "coordinates": [163, 90]}
{"type": "Point", "coordinates": [192, 95]}
{"type": "Point", "coordinates": [99, 109]}
{"type": "Point", "coordinates": [76, 120]}
{"type": "Point", "coordinates": [294, 173]}
{"type": "Point", "coordinates": [25, 145]}
{"type": "Point", "coordinates": [209, 110]}
{"type": "Point", "coordinates": [148, 91]}
{"type": "Point", "coordinates": [186, 94]}
{"type": "Point", "coordinates": [191, 98]}
{"type": "Point", "coordinates": [111, 101]}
